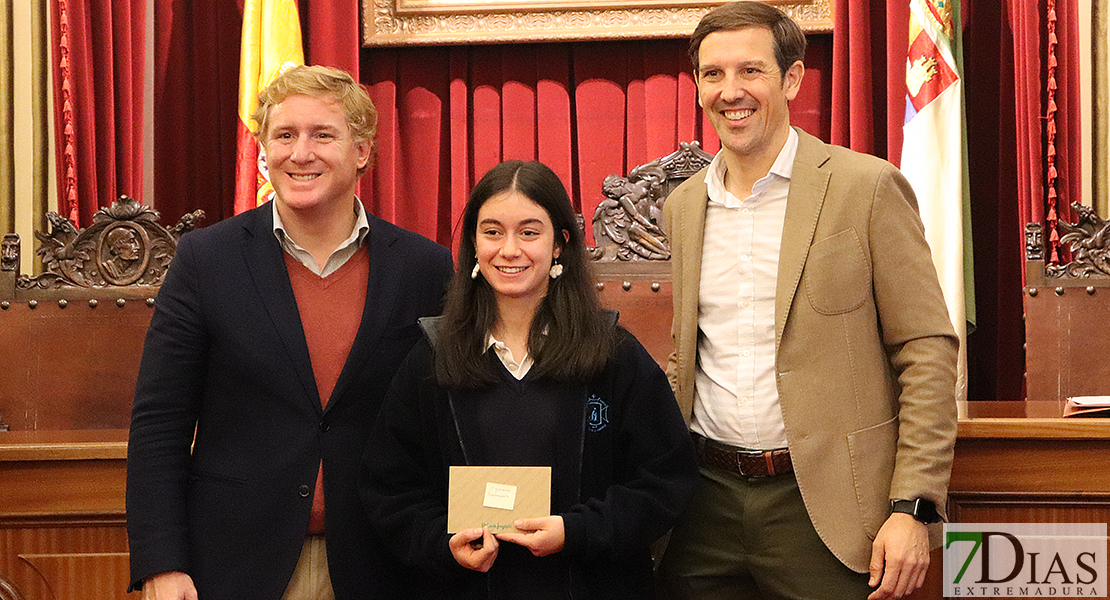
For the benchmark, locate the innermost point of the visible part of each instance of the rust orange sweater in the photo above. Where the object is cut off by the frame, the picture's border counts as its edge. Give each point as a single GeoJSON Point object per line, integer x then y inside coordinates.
{"type": "Point", "coordinates": [331, 312]}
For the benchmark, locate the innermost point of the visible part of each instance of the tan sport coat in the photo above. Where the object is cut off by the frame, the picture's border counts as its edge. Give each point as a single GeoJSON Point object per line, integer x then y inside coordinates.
{"type": "Point", "coordinates": [865, 356]}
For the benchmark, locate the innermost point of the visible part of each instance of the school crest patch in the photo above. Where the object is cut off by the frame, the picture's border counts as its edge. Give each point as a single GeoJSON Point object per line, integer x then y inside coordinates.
{"type": "Point", "coordinates": [598, 414]}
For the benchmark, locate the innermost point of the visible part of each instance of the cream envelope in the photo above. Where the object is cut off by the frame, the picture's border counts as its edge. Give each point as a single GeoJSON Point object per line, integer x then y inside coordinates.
{"type": "Point", "coordinates": [496, 496]}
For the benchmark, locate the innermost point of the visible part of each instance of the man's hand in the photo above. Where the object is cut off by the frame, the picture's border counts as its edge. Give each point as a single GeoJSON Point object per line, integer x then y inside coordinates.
{"type": "Point", "coordinates": [171, 585]}
{"type": "Point", "coordinates": [899, 557]}
{"type": "Point", "coordinates": [468, 552]}
{"type": "Point", "coordinates": [542, 536]}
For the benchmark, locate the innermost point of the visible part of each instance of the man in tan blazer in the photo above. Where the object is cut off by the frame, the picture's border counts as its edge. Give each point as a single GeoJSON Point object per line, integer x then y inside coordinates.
{"type": "Point", "coordinates": [814, 358]}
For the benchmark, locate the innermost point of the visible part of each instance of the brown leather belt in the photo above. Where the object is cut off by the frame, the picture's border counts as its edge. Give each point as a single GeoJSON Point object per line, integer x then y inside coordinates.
{"type": "Point", "coordinates": [748, 463]}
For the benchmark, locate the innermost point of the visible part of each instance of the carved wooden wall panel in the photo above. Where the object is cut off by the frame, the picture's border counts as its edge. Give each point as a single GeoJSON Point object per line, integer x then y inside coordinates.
{"type": "Point", "coordinates": [68, 562]}
{"type": "Point", "coordinates": [632, 257]}
{"type": "Point", "coordinates": [62, 523]}
{"type": "Point", "coordinates": [1066, 338]}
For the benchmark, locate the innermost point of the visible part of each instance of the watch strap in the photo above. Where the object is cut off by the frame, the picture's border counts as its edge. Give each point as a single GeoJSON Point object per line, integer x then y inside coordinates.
{"type": "Point", "coordinates": [922, 509]}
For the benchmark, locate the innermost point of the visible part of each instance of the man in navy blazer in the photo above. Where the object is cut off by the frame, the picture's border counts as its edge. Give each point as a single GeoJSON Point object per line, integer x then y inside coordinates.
{"type": "Point", "coordinates": [241, 477]}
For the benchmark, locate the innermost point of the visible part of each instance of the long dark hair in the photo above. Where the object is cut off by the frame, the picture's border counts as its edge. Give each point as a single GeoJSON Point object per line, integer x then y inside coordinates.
{"type": "Point", "coordinates": [570, 338]}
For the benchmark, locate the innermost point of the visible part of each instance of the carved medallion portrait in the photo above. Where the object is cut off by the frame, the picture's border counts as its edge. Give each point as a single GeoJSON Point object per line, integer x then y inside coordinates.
{"type": "Point", "coordinates": [122, 253]}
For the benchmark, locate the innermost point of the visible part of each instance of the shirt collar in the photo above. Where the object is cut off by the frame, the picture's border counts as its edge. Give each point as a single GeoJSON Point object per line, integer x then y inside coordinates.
{"type": "Point", "coordinates": [358, 233]}
{"type": "Point", "coordinates": [782, 167]}
{"type": "Point", "coordinates": [518, 367]}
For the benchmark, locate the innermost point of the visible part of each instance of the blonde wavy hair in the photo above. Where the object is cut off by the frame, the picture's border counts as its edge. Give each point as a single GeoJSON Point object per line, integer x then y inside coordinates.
{"type": "Point", "coordinates": [321, 82]}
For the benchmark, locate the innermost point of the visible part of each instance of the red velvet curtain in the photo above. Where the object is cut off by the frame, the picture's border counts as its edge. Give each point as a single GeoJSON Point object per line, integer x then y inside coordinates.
{"type": "Point", "coordinates": [870, 38]}
{"type": "Point", "coordinates": [98, 48]}
{"type": "Point", "coordinates": [587, 110]}
{"type": "Point", "coordinates": [196, 82]}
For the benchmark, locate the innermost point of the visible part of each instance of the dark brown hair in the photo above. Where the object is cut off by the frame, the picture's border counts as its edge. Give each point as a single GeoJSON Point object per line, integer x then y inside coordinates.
{"type": "Point", "coordinates": [570, 338]}
{"type": "Point", "coordinates": [790, 41]}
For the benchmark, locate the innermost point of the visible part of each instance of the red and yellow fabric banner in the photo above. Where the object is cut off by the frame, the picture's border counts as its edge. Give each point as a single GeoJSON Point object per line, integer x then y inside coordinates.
{"type": "Point", "coordinates": [934, 157]}
{"type": "Point", "coordinates": [271, 43]}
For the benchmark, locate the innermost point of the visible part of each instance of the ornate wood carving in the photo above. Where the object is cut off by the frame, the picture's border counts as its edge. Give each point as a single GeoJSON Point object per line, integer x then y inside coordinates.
{"type": "Point", "coordinates": [1034, 241]}
{"type": "Point", "coordinates": [627, 225]}
{"type": "Point", "coordinates": [412, 22]}
{"type": "Point", "coordinates": [124, 246]}
{"type": "Point", "coordinates": [9, 253]}
{"type": "Point", "coordinates": [1089, 241]}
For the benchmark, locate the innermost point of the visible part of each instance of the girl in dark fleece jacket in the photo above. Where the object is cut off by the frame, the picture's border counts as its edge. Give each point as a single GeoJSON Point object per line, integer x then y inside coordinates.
{"type": "Point", "coordinates": [526, 368]}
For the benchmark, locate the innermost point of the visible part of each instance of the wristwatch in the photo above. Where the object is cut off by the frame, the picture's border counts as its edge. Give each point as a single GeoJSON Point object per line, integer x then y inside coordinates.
{"type": "Point", "coordinates": [922, 509]}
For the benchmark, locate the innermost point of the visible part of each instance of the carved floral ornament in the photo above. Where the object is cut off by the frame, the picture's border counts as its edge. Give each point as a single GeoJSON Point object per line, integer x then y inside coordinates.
{"type": "Point", "coordinates": [417, 22]}
{"type": "Point", "coordinates": [125, 245]}
{"type": "Point", "coordinates": [1089, 240]}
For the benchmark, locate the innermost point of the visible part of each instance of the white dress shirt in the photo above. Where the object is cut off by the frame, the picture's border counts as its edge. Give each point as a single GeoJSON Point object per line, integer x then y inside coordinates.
{"type": "Point", "coordinates": [338, 257]}
{"type": "Point", "coordinates": [517, 369]}
{"type": "Point", "coordinates": [736, 398]}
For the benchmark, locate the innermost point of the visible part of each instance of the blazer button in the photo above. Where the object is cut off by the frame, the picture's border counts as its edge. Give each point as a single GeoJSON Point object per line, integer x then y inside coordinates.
{"type": "Point", "coordinates": [324, 426]}
{"type": "Point", "coordinates": [304, 491]}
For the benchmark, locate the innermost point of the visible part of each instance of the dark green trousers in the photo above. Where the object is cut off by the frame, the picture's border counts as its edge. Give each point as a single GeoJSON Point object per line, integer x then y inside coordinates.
{"type": "Point", "coordinates": [744, 538]}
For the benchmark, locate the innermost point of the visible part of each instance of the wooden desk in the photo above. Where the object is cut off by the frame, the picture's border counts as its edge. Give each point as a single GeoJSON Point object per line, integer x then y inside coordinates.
{"type": "Point", "coordinates": [1031, 471]}
{"type": "Point", "coordinates": [62, 507]}
{"type": "Point", "coordinates": [1027, 470]}
{"type": "Point", "coordinates": [62, 525]}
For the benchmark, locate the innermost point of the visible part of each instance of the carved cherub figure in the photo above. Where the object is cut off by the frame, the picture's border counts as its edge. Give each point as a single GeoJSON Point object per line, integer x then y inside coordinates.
{"type": "Point", "coordinates": [619, 218]}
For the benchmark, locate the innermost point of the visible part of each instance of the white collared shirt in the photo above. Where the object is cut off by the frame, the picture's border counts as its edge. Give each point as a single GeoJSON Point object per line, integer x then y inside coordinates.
{"type": "Point", "coordinates": [338, 257]}
{"type": "Point", "coordinates": [518, 369]}
{"type": "Point", "coordinates": [736, 398]}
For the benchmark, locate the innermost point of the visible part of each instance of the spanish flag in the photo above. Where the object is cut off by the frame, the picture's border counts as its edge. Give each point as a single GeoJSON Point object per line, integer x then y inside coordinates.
{"type": "Point", "coordinates": [934, 158]}
{"type": "Point", "coordinates": [271, 43]}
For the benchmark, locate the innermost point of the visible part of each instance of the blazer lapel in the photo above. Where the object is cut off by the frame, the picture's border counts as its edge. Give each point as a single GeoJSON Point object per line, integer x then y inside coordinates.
{"type": "Point", "coordinates": [382, 284]}
{"type": "Point", "coordinates": [808, 185]}
{"type": "Point", "coordinates": [265, 260]}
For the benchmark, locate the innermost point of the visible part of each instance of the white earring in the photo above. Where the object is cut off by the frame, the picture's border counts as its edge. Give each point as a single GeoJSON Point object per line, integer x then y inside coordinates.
{"type": "Point", "coordinates": [474, 272]}
{"type": "Point", "coordinates": [555, 271]}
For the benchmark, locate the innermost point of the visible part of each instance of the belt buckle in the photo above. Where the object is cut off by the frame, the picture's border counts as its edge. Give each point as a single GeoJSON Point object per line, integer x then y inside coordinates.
{"type": "Point", "coordinates": [755, 454]}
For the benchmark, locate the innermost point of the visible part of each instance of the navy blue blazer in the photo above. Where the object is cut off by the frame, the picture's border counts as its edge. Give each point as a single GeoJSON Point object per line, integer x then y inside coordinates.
{"type": "Point", "coordinates": [226, 357]}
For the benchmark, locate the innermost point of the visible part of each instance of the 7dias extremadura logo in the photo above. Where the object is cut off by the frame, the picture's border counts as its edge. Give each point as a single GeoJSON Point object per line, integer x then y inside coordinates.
{"type": "Point", "coordinates": [1047, 560]}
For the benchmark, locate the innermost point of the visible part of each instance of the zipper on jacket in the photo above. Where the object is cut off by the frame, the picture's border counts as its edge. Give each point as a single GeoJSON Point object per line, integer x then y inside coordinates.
{"type": "Point", "coordinates": [458, 431]}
